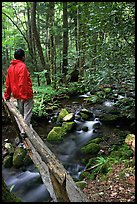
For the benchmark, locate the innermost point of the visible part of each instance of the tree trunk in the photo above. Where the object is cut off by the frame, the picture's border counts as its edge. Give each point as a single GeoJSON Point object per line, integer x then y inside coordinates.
{"type": "Point", "coordinates": [52, 44]}
{"type": "Point", "coordinates": [77, 36]}
{"type": "Point", "coordinates": [65, 41]}
{"type": "Point", "coordinates": [80, 37]}
{"type": "Point", "coordinates": [31, 42]}
{"type": "Point", "coordinates": [37, 40]}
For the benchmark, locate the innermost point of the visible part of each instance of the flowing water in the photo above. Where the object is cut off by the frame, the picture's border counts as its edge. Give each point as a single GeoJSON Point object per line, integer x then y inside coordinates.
{"type": "Point", "coordinates": [28, 185]}
{"type": "Point", "coordinates": [68, 151]}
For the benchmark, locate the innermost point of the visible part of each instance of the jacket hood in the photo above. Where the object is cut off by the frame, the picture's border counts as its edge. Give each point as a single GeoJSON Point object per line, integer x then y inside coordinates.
{"type": "Point", "coordinates": [15, 61]}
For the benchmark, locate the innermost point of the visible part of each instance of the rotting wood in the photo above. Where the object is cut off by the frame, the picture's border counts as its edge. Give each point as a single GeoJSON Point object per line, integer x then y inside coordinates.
{"type": "Point", "coordinates": [47, 163]}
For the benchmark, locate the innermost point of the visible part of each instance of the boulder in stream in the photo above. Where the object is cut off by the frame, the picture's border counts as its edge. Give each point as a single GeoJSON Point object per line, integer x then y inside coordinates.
{"type": "Point", "coordinates": [86, 114]}
{"type": "Point", "coordinates": [69, 117]}
{"type": "Point", "coordinates": [91, 148]}
{"type": "Point", "coordinates": [18, 157]}
{"type": "Point", "coordinates": [62, 114]}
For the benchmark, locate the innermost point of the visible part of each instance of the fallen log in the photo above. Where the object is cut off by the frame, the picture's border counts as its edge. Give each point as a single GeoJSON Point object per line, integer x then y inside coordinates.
{"type": "Point", "coordinates": [60, 184]}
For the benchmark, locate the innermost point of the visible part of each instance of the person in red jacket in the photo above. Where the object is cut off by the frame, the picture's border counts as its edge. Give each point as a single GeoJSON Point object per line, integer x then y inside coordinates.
{"type": "Point", "coordinates": [19, 84]}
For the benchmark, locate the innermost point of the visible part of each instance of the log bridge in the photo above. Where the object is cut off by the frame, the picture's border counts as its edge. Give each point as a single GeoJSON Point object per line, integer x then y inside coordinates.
{"type": "Point", "coordinates": [57, 180]}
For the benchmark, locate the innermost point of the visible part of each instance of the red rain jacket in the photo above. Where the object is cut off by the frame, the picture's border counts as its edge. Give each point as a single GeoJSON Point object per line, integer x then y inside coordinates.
{"type": "Point", "coordinates": [18, 81]}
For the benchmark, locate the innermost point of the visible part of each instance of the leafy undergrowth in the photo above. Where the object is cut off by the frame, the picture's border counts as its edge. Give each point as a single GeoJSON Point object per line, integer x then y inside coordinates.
{"type": "Point", "coordinates": [117, 186]}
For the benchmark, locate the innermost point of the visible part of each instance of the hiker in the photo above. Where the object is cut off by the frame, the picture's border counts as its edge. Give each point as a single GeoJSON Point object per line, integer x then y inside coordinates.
{"type": "Point", "coordinates": [19, 84]}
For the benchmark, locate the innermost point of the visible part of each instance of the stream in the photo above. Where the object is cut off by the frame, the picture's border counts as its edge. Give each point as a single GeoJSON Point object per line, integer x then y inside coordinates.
{"type": "Point", "coordinates": [27, 184]}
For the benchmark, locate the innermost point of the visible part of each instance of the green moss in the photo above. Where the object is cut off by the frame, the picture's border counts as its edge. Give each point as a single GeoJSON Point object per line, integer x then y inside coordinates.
{"type": "Point", "coordinates": [96, 140]}
{"type": "Point", "coordinates": [68, 126]}
{"type": "Point", "coordinates": [58, 132]}
{"type": "Point", "coordinates": [84, 116]}
{"type": "Point", "coordinates": [55, 134]}
{"type": "Point", "coordinates": [91, 148]}
{"type": "Point", "coordinates": [18, 157]}
{"type": "Point", "coordinates": [61, 115]}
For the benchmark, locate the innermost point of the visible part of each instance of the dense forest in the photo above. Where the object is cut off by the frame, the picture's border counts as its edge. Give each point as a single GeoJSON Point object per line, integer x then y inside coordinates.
{"type": "Point", "coordinates": [74, 48]}
{"type": "Point", "coordinates": [95, 38]}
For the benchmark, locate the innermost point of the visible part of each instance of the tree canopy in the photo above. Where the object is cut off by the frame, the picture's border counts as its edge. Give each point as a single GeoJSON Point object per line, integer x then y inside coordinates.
{"type": "Point", "coordinates": [95, 38]}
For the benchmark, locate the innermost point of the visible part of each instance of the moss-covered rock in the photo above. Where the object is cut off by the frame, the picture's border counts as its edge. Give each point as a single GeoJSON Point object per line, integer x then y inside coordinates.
{"type": "Point", "coordinates": [18, 157]}
{"type": "Point", "coordinates": [62, 114]}
{"type": "Point", "coordinates": [7, 161]}
{"type": "Point", "coordinates": [96, 140]}
{"type": "Point", "coordinates": [55, 134]}
{"type": "Point", "coordinates": [58, 132]}
{"type": "Point", "coordinates": [68, 126]}
{"type": "Point", "coordinates": [85, 128]}
{"type": "Point", "coordinates": [85, 114]}
{"type": "Point", "coordinates": [91, 148]}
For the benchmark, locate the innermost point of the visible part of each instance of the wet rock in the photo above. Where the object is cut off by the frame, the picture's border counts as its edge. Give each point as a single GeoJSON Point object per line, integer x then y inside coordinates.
{"type": "Point", "coordinates": [55, 134]}
{"type": "Point", "coordinates": [18, 157]}
{"type": "Point", "coordinates": [86, 114]}
{"type": "Point", "coordinates": [69, 117]}
{"type": "Point", "coordinates": [68, 126]}
{"type": "Point", "coordinates": [62, 114]}
{"type": "Point", "coordinates": [85, 128]}
{"type": "Point", "coordinates": [58, 132]}
{"type": "Point", "coordinates": [96, 140]}
{"type": "Point", "coordinates": [91, 148]}
{"type": "Point", "coordinates": [97, 125]}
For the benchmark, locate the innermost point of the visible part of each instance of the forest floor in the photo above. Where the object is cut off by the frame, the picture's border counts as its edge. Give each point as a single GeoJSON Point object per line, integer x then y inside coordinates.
{"type": "Point", "coordinates": [118, 186]}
